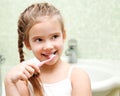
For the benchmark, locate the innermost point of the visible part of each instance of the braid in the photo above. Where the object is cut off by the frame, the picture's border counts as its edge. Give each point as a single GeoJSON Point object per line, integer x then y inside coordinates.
{"type": "Point", "coordinates": [22, 26]}
{"type": "Point", "coordinates": [20, 47]}
{"type": "Point", "coordinates": [21, 36]}
{"type": "Point", "coordinates": [37, 86]}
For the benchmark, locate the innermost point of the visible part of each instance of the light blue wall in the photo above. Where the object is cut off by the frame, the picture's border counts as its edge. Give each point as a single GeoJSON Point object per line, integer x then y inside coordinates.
{"type": "Point", "coordinates": [93, 23]}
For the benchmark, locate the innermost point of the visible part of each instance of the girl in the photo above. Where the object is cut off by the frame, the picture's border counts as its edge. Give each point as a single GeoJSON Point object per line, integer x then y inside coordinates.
{"type": "Point", "coordinates": [41, 29]}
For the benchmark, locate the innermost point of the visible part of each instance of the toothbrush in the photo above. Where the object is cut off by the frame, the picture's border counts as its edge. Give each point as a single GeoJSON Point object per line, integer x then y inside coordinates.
{"type": "Point", "coordinates": [43, 62]}
{"type": "Point", "coordinates": [37, 62]}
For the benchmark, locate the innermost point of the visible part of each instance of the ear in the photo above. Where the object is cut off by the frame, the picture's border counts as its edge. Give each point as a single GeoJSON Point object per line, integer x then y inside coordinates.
{"type": "Point", "coordinates": [27, 44]}
{"type": "Point", "coordinates": [64, 34]}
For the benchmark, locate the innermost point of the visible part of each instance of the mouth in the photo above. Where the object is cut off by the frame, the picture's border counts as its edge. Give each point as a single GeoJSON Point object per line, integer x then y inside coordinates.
{"type": "Point", "coordinates": [48, 55]}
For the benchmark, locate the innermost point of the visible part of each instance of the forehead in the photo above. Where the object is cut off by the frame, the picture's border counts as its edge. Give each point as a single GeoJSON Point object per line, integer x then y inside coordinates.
{"type": "Point", "coordinates": [47, 18]}
{"type": "Point", "coordinates": [47, 21]}
{"type": "Point", "coordinates": [46, 24]}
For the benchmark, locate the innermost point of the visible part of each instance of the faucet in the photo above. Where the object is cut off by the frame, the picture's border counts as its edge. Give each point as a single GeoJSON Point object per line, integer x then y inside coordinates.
{"type": "Point", "coordinates": [71, 52]}
{"type": "Point", "coordinates": [1, 61]}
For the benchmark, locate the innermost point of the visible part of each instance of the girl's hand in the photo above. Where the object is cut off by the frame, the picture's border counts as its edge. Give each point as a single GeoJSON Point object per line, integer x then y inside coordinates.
{"type": "Point", "coordinates": [22, 72]}
{"type": "Point", "coordinates": [25, 70]}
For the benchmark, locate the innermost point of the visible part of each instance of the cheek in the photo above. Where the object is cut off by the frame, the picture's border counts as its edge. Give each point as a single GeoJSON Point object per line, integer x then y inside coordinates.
{"type": "Point", "coordinates": [36, 48]}
{"type": "Point", "coordinates": [59, 45]}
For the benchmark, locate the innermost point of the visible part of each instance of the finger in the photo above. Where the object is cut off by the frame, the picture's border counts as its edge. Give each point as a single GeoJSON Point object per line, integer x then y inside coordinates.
{"type": "Point", "coordinates": [23, 77]}
{"type": "Point", "coordinates": [27, 74]}
{"type": "Point", "coordinates": [25, 71]}
{"type": "Point", "coordinates": [31, 67]}
{"type": "Point", "coordinates": [35, 67]}
{"type": "Point", "coordinates": [30, 70]}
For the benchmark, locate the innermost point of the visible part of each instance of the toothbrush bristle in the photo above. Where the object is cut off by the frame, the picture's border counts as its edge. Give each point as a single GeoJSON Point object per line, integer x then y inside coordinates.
{"type": "Point", "coordinates": [51, 56]}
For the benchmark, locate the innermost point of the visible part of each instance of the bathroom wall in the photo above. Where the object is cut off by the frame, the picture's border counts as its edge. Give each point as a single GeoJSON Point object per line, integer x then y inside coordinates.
{"type": "Point", "coordinates": [93, 23]}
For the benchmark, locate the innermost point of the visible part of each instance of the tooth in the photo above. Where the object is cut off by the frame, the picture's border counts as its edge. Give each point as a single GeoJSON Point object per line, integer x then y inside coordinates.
{"type": "Point", "coordinates": [51, 56]}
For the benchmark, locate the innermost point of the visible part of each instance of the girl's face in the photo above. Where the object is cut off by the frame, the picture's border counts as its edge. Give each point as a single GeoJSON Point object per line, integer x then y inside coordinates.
{"type": "Point", "coordinates": [46, 38]}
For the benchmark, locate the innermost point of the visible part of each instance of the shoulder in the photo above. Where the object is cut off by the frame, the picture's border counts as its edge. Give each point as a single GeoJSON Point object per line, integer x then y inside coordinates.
{"type": "Point", "coordinates": [80, 82]}
{"type": "Point", "coordinates": [79, 74]}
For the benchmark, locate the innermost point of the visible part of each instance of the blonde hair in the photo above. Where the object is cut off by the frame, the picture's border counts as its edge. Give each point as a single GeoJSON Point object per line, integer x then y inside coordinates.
{"type": "Point", "coordinates": [27, 19]}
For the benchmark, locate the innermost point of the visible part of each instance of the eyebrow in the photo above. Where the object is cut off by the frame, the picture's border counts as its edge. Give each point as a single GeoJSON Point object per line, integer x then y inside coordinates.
{"type": "Point", "coordinates": [57, 32]}
{"type": "Point", "coordinates": [34, 37]}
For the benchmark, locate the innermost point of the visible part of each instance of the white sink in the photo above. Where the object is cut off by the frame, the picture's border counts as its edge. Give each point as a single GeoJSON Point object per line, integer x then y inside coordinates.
{"type": "Point", "coordinates": [103, 79]}
{"type": "Point", "coordinates": [96, 74]}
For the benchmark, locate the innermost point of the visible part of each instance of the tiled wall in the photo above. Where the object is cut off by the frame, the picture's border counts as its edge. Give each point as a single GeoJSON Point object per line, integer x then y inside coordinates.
{"type": "Point", "coordinates": [95, 24]}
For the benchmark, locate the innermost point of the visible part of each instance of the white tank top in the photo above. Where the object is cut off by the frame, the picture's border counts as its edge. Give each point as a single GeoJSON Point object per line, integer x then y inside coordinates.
{"type": "Point", "coordinates": [61, 88]}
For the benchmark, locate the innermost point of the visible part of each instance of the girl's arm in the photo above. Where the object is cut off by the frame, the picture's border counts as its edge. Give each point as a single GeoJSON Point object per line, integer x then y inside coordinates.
{"type": "Point", "coordinates": [16, 89]}
{"type": "Point", "coordinates": [16, 79]}
{"type": "Point", "coordinates": [11, 89]}
{"type": "Point", "coordinates": [80, 83]}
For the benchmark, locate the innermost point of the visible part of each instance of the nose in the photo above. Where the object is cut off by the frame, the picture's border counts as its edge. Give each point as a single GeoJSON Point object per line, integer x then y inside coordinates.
{"type": "Point", "coordinates": [48, 46]}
